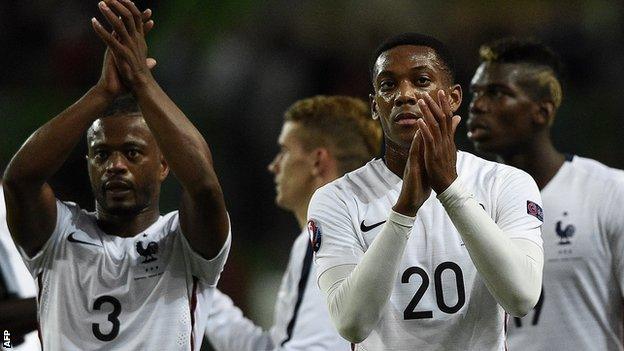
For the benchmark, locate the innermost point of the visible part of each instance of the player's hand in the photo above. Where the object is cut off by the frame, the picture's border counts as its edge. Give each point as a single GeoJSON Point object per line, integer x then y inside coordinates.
{"type": "Point", "coordinates": [438, 127]}
{"type": "Point", "coordinates": [415, 190]}
{"type": "Point", "coordinates": [110, 82]}
{"type": "Point", "coordinates": [127, 41]}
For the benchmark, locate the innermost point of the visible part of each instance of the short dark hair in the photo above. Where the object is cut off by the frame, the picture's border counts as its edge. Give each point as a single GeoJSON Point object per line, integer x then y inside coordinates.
{"type": "Point", "coordinates": [342, 124]}
{"type": "Point", "coordinates": [546, 63]}
{"type": "Point", "coordinates": [416, 39]}
{"type": "Point", "coordinates": [123, 104]}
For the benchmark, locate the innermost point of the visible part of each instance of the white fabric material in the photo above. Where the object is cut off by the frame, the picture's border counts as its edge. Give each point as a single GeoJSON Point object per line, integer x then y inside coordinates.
{"type": "Point", "coordinates": [511, 268]}
{"type": "Point", "coordinates": [155, 278]}
{"type": "Point", "coordinates": [371, 281]}
{"type": "Point", "coordinates": [438, 299]}
{"type": "Point", "coordinates": [582, 306]}
{"type": "Point", "coordinates": [229, 330]}
{"type": "Point", "coordinates": [18, 279]}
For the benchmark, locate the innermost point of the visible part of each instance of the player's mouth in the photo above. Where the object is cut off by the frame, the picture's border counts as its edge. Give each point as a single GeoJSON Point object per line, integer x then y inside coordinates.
{"type": "Point", "coordinates": [117, 187]}
{"type": "Point", "coordinates": [477, 130]}
{"type": "Point", "coordinates": [406, 118]}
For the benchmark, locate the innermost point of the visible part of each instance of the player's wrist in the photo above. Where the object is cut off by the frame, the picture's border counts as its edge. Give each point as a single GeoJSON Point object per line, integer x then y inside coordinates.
{"type": "Point", "coordinates": [142, 81]}
{"type": "Point", "coordinates": [406, 208]}
{"type": "Point", "coordinates": [453, 195]}
{"type": "Point", "coordinates": [98, 98]}
{"type": "Point", "coordinates": [101, 92]}
{"type": "Point", "coordinates": [444, 183]}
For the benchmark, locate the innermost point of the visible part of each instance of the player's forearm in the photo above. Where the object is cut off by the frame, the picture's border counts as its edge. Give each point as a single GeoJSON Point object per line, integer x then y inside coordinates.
{"type": "Point", "coordinates": [229, 330]}
{"type": "Point", "coordinates": [356, 300]}
{"type": "Point", "coordinates": [181, 143]}
{"type": "Point", "coordinates": [19, 316]}
{"type": "Point", "coordinates": [511, 269]}
{"type": "Point", "coordinates": [47, 148]}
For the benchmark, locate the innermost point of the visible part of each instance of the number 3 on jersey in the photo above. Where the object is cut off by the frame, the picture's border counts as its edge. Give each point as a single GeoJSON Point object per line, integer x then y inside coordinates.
{"type": "Point", "coordinates": [411, 313]}
{"type": "Point", "coordinates": [112, 317]}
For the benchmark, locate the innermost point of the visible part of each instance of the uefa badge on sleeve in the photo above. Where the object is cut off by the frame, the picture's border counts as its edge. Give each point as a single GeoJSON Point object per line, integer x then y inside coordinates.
{"type": "Point", "coordinates": [314, 230]}
{"type": "Point", "coordinates": [535, 210]}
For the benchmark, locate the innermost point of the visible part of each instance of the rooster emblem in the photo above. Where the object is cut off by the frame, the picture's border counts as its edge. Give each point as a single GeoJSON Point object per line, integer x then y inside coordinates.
{"type": "Point", "coordinates": [148, 252]}
{"type": "Point", "coordinates": [565, 233]}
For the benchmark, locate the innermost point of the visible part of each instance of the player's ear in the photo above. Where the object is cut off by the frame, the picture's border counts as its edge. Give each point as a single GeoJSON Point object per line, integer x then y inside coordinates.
{"type": "Point", "coordinates": [545, 115]}
{"type": "Point", "coordinates": [164, 168]}
{"type": "Point", "coordinates": [320, 157]}
{"type": "Point", "coordinates": [455, 94]}
{"type": "Point", "coordinates": [373, 105]}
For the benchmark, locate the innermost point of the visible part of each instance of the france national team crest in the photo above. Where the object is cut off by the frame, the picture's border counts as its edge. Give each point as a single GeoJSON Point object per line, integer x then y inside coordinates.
{"type": "Point", "coordinates": [535, 210]}
{"type": "Point", "coordinates": [148, 263]}
{"type": "Point", "coordinates": [148, 252]}
{"type": "Point", "coordinates": [315, 235]}
{"type": "Point", "coordinates": [564, 233]}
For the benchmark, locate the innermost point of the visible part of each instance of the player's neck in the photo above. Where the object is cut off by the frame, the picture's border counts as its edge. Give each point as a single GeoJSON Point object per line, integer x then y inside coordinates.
{"type": "Point", "coordinates": [395, 157]}
{"type": "Point", "coordinates": [539, 159]}
{"type": "Point", "coordinates": [126, 225]}
{"type": "Point", "coordinates": [301, 211]}
{"type": "Point", "coordinates": [301, 215]}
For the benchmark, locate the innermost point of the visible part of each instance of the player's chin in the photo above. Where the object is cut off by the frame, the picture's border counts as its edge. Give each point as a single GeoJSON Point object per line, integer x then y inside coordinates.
{"type": "Point", "coordinates": [404, 136]}
{"type": "Point", "coordinates": [488, 146]}
{"type": "Point", "coordinates": [279, 201]}
{"type": "Point", "coordinates": [123, 207]}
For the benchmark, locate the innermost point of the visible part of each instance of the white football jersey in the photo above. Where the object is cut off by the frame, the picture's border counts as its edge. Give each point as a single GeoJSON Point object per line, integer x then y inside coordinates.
{"type": "Point", "coordinates": [583, 287]}
{"type": "Point", "coordinates": [16, 277]}
{"type": "Point", "coordinates": [301, 319]}
{"type": "Point", "coordinates": [103, 292]}
{"type": "Point", "coordinates": [439, 301]}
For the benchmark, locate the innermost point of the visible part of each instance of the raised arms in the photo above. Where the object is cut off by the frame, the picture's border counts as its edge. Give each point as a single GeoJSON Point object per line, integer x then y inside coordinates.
{"type": "Point", "coordinates": [203, 216]}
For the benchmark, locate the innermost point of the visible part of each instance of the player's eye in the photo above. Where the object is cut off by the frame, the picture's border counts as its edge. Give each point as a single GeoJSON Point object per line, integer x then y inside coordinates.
{"type": "Point", "coordinates": [100, 155]}
{"type": "Point", "coordinates": [385, 85]}
{"type": "Point", "coordinates": [495, 93]}
{"type": "Point", "coordinates": [423, 81]}
{"type": "Point", "coordinates": [475, 94]}
{"type": "Point", "coordinates": [133, 153]}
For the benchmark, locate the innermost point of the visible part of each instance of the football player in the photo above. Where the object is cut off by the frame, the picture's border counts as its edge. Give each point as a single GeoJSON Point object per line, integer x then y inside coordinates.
{"type": "Point", "coordinates": [516, 92]}
{"type": "Point", "coordinates": [427, 248]}
{"type": "Point", "coordinates": [322, 138]}
{"type": "Point", "coordinates": [124, 277]}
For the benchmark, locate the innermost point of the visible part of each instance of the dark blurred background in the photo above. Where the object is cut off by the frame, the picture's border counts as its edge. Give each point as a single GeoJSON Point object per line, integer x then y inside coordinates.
{"type": "Point", "coordinates": [235, 66]}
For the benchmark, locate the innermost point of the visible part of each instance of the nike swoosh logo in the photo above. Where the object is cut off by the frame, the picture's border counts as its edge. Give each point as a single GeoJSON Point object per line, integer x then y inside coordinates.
{"type": "Point", "coordinates": [71, 238]}
{"type": "Point", "coordinates": [366, 228]}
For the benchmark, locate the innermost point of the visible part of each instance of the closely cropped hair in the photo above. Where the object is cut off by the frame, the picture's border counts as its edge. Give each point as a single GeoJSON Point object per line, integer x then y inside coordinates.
{"type": "Point", "coordinates": [342, 124]}
{"type": "Point", "coordinates": [416, 39]}
{"type": "Point", "coordinates": [546, 66]}
{"type": "Point", "coordinates": [124, 104]}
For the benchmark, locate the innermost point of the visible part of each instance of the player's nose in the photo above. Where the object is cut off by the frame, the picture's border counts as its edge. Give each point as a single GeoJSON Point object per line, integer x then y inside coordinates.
{"type": "Point", "coordinates": [406, 94]}
{"type": "Point", "coordinates": [272, 167]}
{"type": "Point", "coordinates": [116, 163]}
{"type": "Point", "coordinates": [478, 104]}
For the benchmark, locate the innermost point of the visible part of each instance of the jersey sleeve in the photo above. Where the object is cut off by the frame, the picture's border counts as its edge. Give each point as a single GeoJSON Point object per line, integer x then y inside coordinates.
{"type": "Point", "coordinates": [331, 231]}
{"type": "Point", "coordinates": [229, 330]}
{"type": "Point", "coordinates": [66, 214]}
{"type": "Point", "coordinates": [519, 207]}
{"type": "Point", "coordinates": [613, 224]}
{"type": "Point", "coordinates": [208, 270]}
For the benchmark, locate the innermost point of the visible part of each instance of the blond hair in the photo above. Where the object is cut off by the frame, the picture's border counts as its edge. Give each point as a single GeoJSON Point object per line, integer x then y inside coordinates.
{"type": "Point", "coordinates": [342, 124]}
